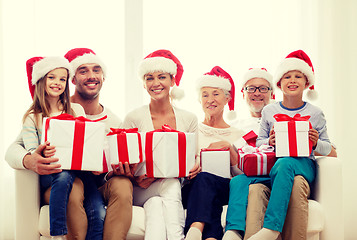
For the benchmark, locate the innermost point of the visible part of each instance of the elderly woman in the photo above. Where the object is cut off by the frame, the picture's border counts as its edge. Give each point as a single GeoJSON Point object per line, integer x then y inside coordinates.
{"type": "Point", "coordinates": [205, 194]}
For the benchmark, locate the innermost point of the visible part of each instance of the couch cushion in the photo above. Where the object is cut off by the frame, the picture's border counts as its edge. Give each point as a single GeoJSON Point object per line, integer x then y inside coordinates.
{"type": "Point", "coordinates": [316, 220]}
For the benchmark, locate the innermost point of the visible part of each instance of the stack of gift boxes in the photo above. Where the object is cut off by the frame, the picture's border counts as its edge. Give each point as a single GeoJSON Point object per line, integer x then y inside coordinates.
{"type": "Point", "coordinates": [81, 144]}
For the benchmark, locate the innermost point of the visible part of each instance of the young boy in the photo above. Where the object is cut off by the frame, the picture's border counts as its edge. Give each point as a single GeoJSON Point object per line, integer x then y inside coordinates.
{"type": "Point", "coordinates": [294, 75]}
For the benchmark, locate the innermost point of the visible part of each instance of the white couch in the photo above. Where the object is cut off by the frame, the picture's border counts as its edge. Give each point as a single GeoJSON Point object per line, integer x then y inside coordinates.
{"type": "Point", "coordinates": [325, 220]}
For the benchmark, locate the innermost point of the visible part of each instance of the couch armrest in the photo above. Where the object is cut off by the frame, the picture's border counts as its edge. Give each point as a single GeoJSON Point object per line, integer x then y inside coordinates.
{"type": "Point", "coordinates": [27, 195]}
{"type": "Point", "coordinates": [328, 192]}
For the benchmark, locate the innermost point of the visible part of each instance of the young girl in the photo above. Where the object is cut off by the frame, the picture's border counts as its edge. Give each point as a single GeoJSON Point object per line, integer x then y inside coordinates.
{"type": "Point", "coordinates": [161, 198]}
{"type": "Point", "coordinates": [48, 82]}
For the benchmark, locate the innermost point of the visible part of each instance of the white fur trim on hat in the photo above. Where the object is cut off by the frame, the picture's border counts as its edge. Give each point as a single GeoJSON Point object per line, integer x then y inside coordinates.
{"type": "Point", "coordinates": [213, 81]}
{"type": "Point", "coordinates": [47, 64]}
{"type": "Point", "coordinates": [257, 73]}
{"type": "Point", "coordinates": [86, 59]}
{"type": "Point", "coordinates": [155, 64]}
{"type": "Point", "coordinates": [291, 64]}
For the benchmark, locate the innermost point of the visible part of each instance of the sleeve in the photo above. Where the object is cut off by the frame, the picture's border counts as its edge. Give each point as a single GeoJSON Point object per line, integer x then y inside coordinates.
{"type": "Point", "coordinates": [30, 134]}
{"type": "Point", "coordinates": [264, 130]}
{"type": "Point", "coordinates": [323, 143]}
{"type": "Point", "coordinates": [15, 154]}
{"type": "Point", "coordinates": [129, 121]}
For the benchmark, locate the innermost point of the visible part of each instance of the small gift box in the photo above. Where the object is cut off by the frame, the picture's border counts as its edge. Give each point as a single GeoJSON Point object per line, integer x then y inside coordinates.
{"type": "Point", "coordinates": [168, 153]}
{"type": "Point", "coordinates": [255, 161]}
{"type": "Point", "coordinates": [124, 146]}
{"type": "Point", "coordinates": [248, 139]}
{"type": "Point", "coordinates": [292, 136]}
{"type": "Point", "coordinates": [78, 141]}
{"type": "Point", "coordinates": [216, 161]}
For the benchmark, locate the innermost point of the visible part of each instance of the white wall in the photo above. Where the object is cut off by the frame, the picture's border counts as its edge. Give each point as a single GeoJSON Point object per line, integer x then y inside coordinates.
{"type": "Point", "coordinates": [337, 54]}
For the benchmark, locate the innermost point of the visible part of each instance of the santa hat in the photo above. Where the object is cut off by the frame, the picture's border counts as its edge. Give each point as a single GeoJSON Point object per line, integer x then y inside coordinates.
{"type": "Point", "coordinates": [300, 61]}
{"type": "Point", "coordinates": [163, 61]}
{"type": "Point", "coordinates": [218, 78]}
{"type": "Point", "coordinates": [79, 56]}
{"type": "Point", "coordinates": [257, 73]}
{"type": "Point", "coordinates": [38, 67]}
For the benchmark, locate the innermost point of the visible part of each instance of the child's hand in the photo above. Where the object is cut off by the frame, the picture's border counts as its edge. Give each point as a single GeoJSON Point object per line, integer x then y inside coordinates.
{"type": "Point", "coordinates": [49, 150]}
{"type": "Point", "coordinates": [313, 136]}
{"type": "Point", "coordinates": [272, 138]}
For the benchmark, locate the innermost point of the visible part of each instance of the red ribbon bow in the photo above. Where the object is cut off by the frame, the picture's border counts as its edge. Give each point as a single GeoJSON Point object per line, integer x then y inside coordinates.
{"type": "Point", "coordinates": [284, 117]}
{"type": "Point", "coordinates": [114, 131]}
{"type": "Point", "coordinates": [78, 141]}
{"type": "Point", "coordinates": [181, 150]}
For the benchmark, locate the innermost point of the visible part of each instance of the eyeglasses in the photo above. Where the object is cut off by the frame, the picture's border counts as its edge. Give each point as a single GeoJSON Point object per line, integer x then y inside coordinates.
{"type": "Point", "coordinates": [262, 89]}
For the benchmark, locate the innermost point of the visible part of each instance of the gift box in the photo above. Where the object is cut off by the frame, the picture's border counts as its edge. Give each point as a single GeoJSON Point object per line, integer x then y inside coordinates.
{"type": "Point", "coordinates": [124, 145]}
{"type": "Point", "coordinates": [292, 136]}
{"type": "Point", "coordinates": [255, 161]}
{"type": "Point", "coordinates": [216, 161]}
{"type": "Point", "coordinates": [248, 139]}
{"type": "Point", "coordinates": [167, 153]}
{"type": "Point", "coordinates": [78, 141]}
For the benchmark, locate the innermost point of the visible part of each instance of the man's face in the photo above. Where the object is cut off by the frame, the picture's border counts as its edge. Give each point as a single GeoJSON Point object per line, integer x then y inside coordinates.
{"type": "Point", "coordinates": [257, 100]}
{"type": "Point", "coordinates": [88, 80]}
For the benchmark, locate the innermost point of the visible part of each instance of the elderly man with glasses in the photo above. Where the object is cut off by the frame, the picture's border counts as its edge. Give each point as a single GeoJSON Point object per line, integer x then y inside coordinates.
{"type": "Point", "coordinates": [257, 89]}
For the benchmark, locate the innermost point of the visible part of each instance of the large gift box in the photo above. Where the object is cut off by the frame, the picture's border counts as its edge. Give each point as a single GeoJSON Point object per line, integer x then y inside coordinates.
{"type": "Point", "coordinates": [168, 153]}
{"type": "Point", "coordinates": [216, 161]}
{"type": "Point", "coordinates": [78, 141]}
{"type": "Point", "coordinates": [124, 145]}
{"type": "Point", "coordinates": [255, 161]}
{"type": "Point", "coordinates": [292, 136]}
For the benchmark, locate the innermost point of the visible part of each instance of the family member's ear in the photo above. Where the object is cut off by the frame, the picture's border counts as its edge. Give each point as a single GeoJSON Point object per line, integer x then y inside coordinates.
{"type": "Point", "coordinates": [279, 84]}
{"type": "Point", "coordinates": [74, 80]}
{"type": "Point", "coordinates": [172, 80]}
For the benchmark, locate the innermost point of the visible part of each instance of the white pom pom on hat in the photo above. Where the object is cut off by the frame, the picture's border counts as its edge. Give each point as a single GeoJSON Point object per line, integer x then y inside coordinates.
{"type": "Point", "coordinates": [300, 61]}
{"type": "Point", "coordinates": [163, 61]}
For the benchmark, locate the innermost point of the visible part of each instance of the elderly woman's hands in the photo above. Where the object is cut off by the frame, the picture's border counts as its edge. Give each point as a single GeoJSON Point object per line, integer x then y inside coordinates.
{"type": "Point", "coordinates": [194, 171]}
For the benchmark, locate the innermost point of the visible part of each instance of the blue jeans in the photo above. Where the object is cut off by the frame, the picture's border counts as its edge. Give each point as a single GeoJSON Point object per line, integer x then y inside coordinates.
{"type": "Point", "coordinates": [61, 186]}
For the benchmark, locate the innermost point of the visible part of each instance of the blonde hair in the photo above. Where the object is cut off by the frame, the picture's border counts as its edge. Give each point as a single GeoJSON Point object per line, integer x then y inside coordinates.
{"type": "Point", "coordinates": [40, 106]}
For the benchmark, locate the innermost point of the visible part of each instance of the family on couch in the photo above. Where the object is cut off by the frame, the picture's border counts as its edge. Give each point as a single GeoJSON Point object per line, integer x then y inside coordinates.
{"type": "Point", "coordinates": [82, 214]}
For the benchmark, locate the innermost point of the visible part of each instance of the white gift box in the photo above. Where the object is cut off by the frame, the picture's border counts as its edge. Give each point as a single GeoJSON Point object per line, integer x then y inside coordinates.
{"type": "Point", "coordinates": [216, 162]}
{"type": "Point", "coordinates": [167, 154]}
{"type": "Point", "coordinates": [125, 150]}
{"type": "Point", "coordinates": [292, 139]}
{"type": "Point", "coordinates": [79, 144]}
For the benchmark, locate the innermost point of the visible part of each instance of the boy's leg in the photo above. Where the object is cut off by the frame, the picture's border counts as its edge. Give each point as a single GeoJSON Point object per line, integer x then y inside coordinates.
{"type": "Point", "coordinates": [282, 176]}
{"type": "Point", "coordinates": [118, 193]}
{"type": "Point", "coordinates": [155, 228]}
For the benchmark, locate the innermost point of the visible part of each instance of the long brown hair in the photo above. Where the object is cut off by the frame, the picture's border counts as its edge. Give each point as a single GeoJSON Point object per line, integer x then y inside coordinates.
{"type": "Point", "coordinates": [40, 106]}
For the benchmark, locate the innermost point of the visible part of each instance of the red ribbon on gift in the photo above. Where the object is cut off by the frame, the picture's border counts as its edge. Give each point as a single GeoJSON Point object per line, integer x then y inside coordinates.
{"type": "Point", "coordinates": [79, 132]}
{"type": "Point", "coordinates": [292, 130]}
{"type": "Point", "coordinates": [123, 153]}
{"type": "Point", "coordinates": [181, 150]}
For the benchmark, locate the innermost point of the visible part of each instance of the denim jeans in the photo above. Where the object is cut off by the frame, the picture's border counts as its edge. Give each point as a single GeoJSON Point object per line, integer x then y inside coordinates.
{"type": "Point", "coordinates": [61, 186]}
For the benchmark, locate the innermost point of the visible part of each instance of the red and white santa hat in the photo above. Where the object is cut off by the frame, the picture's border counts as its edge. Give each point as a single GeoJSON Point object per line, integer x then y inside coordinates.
{"type": "Point", "coordinates": [218, 78]}
{"type": "Point", "coordinates": [79, 56]}
{"type": "Point", "coordinates": [38, 67]}
{"type": "Point", "coordinates": [257, 73]}
{"type": "Point", "coordinates": [163, 61]}
{"type": "Point", "coordinates": [300, 61]}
